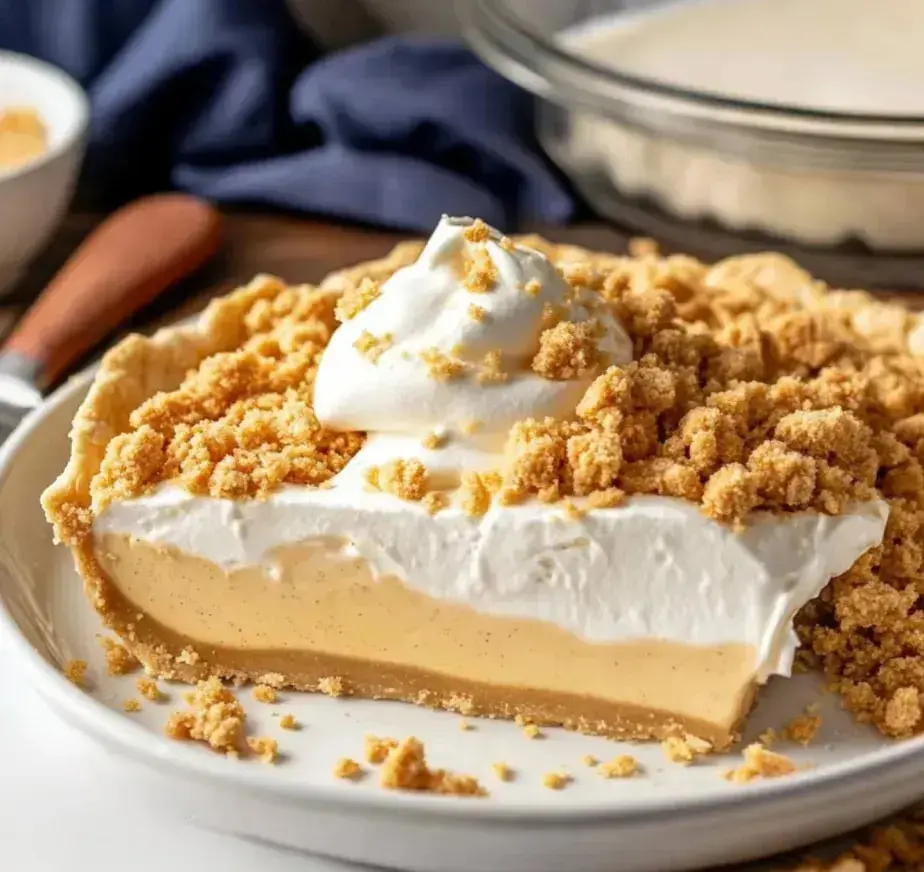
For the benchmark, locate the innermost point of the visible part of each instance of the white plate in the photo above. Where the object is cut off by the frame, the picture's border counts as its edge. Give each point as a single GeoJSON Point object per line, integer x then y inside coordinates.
{"type": "Point", "coordinates": [670, 818]}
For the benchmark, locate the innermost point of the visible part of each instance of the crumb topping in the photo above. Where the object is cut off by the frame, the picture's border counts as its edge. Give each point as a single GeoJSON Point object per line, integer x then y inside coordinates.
{"type": "Point", "coordinates": [480, 271]}
{"type": "Point", "coordinates": [435, 501]}
{"type": "Point", "coordinates": [477, 232]}
{"type": "Point", "coordinates": [288, 722]}
{"type": "Point", "coordinates": [684, 749]}
{"type": "Point", "coordinates": [623, 766]}
{"type": "Point", "coordinates": [332, 686]}
{"type": "Point", "coordinates": [119, 660]}
{"type": "Point", "coordinates": [405, 768]}
{"type": "Point", "coordinates": [433, 441]}
{"type": "Point", "coordinates": [533, 287]}
{"type": "Point", "coordinates": [264, 747]}
{"type": "Point", "coordinates": [372, 347]}
{"type": "Point", "coordinates": [216, 718]}
{"type": "Point", "coordinates": [760, 763]}
{"type": "Point", "coordinates": [75, 671]}
{"type": "Point", "coordinates": [531, 731]}
{"type": "Point", "coordinates": [477, 313]}
{"type": "Point", "coordinates": [405, 479]}
{"type": "Point", "coordinates": [567, 350]}
{"type": "Point", "coordinates": [148, 688]}
{"type": "Point", "coordinates": [589, 760]}
{"type": "Point", "coordinates": [556, 780]}
{"type": "Point", "coordinates": [347, 768]}
{"type": "Point", "coordinates": [502, 771]}
{"type": "Point", "coordinates": [442, 367]}
{"type": "Point", "coordinates": [265, 693]}
{"type": "Point", "coordinates": [802, 729]}
{"type": "Point", "coordinates": [491, 371]}
{"type": "Point", "coordinates": [131, 706]}
{"type": "Point", "coordinates": [355, 299]}
{"type": "Point", "coordinates": [377, 748]}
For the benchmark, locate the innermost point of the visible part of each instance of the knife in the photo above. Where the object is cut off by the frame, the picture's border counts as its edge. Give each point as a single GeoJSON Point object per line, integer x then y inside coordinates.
{"type": "Point", "coordinates": [127, 261]}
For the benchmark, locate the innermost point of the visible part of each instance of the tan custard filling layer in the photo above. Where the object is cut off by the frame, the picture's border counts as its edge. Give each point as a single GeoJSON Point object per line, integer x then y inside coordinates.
{"type": "Point", "coordinates": [329, 605]}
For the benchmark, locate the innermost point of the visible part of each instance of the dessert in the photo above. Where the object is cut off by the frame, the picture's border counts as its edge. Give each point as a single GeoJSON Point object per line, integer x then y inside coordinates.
{"type": "Point", "coordinates": [599, 498]}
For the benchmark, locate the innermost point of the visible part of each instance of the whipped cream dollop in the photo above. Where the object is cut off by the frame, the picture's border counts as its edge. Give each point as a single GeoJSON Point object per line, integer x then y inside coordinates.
{"type": "Point", "coordinates": [424, 311]}
{"type": "Point", "coordinates": [653, 568]}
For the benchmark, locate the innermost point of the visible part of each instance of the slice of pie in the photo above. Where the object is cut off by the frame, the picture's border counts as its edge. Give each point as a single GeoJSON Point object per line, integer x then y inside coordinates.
{"type": "Point", "coordinates": [520, 480]}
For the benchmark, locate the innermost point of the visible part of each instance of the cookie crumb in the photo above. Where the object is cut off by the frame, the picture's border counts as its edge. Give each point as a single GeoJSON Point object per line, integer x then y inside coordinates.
{"type": "Point", "coordinates": [333, 685]}
{"type": "Point", "coordinates": [480, 272]}
{"type": "Point", "coordinates": [276, 680]}
{"type": "Point", "coordinates": [531, 731]}
{"type": "Point", "coordinates": [760, 763]}
{"type": "Point", "coordinates": [216, 719]}
{"type": "Point", "coordinates": [683, 750]}
{"type": "Point", "coordinates": [435, 501]}
{"type": "Point", "coordinates": [623, 766]}
{"type": "Point", "coordinates": [802, 729]}
{"type": "Point", "coordinates": [440, 366]}
{"type": "Point", "coordinates": [491, 371]}
{"type": "Point", "coordinates": [119, 661]}
{"type": "Point", "coordinates": [556, 780]}
{"type": "Point", "coordinates": [373, 347]}
{"type": "Point", "coordinates": [502, 771]}
{"type": "Point", "coordinates": [589, 760]}
{"type": "Point", "coordinates": [288, 722]}
{"type": "Point", "coordinates": [477, 313]}
{"type": "Point", "coordinates": [433, 440]}
{"type": "Point", "coordinates": [347, 768]}
{"type": "Point", "coordinates": [355, 299]}
{"type": "Point", "coordinates": [567, 351]}
{"type": "Point", "coordinates": [148, 688]}
{"type": "Point", "coordinates": [533, 287]}
{"type": "Point", "coordinates": [188, 656]}
{"type": "Point", "coordinates": [266, 694]}
{"type": "Point", "coordinates": [264, 747]}
{"type": "Point", "coordinates": [405, 768]}
{"type": "Point", "coordinates": [465, 726]}
{"type": "Point", "coordinates": [377, 748]}
{"type": "Point", "coordinates": [75, 671]}
{"type": "Point", "coordinates": [131, 706]}
{"type": "Point", "coordinates": [477, 232]}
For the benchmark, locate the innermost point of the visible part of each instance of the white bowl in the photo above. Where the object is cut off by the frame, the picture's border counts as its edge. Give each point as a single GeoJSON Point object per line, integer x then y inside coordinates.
{"type": "Point", "coordinates": [35, 195]}
{"type": "Point", "coordinates": [670, 818]}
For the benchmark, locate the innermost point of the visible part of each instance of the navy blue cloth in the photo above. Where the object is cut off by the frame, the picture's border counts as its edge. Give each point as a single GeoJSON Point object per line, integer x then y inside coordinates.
{"type": "Point", "coordinates": [225, 98]}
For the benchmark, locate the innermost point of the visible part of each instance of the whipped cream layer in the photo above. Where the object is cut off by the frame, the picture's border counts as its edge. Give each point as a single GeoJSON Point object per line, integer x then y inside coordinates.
{"type": "Point", "coordinates": [655, 568]}
{"type": "Point", "coordinates": [425, 306]}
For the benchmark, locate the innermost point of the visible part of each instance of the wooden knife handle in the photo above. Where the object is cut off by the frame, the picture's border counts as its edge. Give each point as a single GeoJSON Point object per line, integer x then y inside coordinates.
{"type": "Point", "coordinates": [128, 260]}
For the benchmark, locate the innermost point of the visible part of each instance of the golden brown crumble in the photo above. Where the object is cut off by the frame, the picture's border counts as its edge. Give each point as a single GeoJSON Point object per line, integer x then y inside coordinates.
{"type": "Point", "coordinates": [405, 479]}
{"type": "Point", "coordinates": [589, 760]}
{"type": "Point", "coordinates": [684, 749]}
{"type": "Point", "coordinates": [119, 661]}
{"type": "Point", "coordinates": [476, 494]}
{"type": "Point", "coordinates": [567, 350]}
{"type": "Point", "coordinates": [405, 768]}
{"type": "Point", "coordinates": [75, 671]}
{"type": "Point", "coordinates": [265, 693]}
{"type": "Point", "coordinates": [491, 371]}
{"type": "Point", "coordinates": [355, 299]}
{"type": "Point", "coordinates": [441, 366]}
{"type": "Point", "coordinates": [332, 686]}
{"type": "Point", "coordinates": [556, 780]}
{"type": "Point", "coordinates": [760, 763]}
{"type": "Point", "coordinates": [533, 287]}
{"type": "Point", "coordinates": [802, 729]}
{"type": "Point", "coordinates": [477, 313]}
{"type": "Point", "coordinates": [372, 347]}
{"type": "Point", "coordinates": [264, 747]}
{"type": "Point", "coordinates": [188, 656]}
{"type": "Point", "coordinates": [347, 768]}
{"type": "Point", "coordinates": [435, 501]}
{"type": "Point", "coordinates": [216, 718]}
{"type": "Point", "coordinates": [288, 722]}
{"type": "Point", "coordinates": [502, 771]}
{"type": "Point", "coordinates": [433, 440]}
{"type": "Point", "coordinates": [477, 232]}
{"type": "Point", "coordinates": [148, 688]}
{"type": "Point", "coordinates": [131, 706]}
{"type": "Point", "coordinates": [377, 748]}
{"type": "Point", "coordinates": [623, 766]}
{"type": "Point", "coordinates": [480, 271]}
{"type": "Point", "coordinates": [531, 731]}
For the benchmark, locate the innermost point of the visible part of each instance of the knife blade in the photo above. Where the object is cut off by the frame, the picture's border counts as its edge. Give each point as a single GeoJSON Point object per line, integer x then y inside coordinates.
{"type": "Point", "coordinates": [123, 265]}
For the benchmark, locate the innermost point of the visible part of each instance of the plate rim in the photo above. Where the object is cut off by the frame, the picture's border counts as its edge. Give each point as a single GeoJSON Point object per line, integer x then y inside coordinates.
{"type": "Point", "coordinates": [117, 732]}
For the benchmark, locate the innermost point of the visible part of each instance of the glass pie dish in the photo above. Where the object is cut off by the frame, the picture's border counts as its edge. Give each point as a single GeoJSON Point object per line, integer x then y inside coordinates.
{"type": "Point", "coordinates": [707, 171]}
